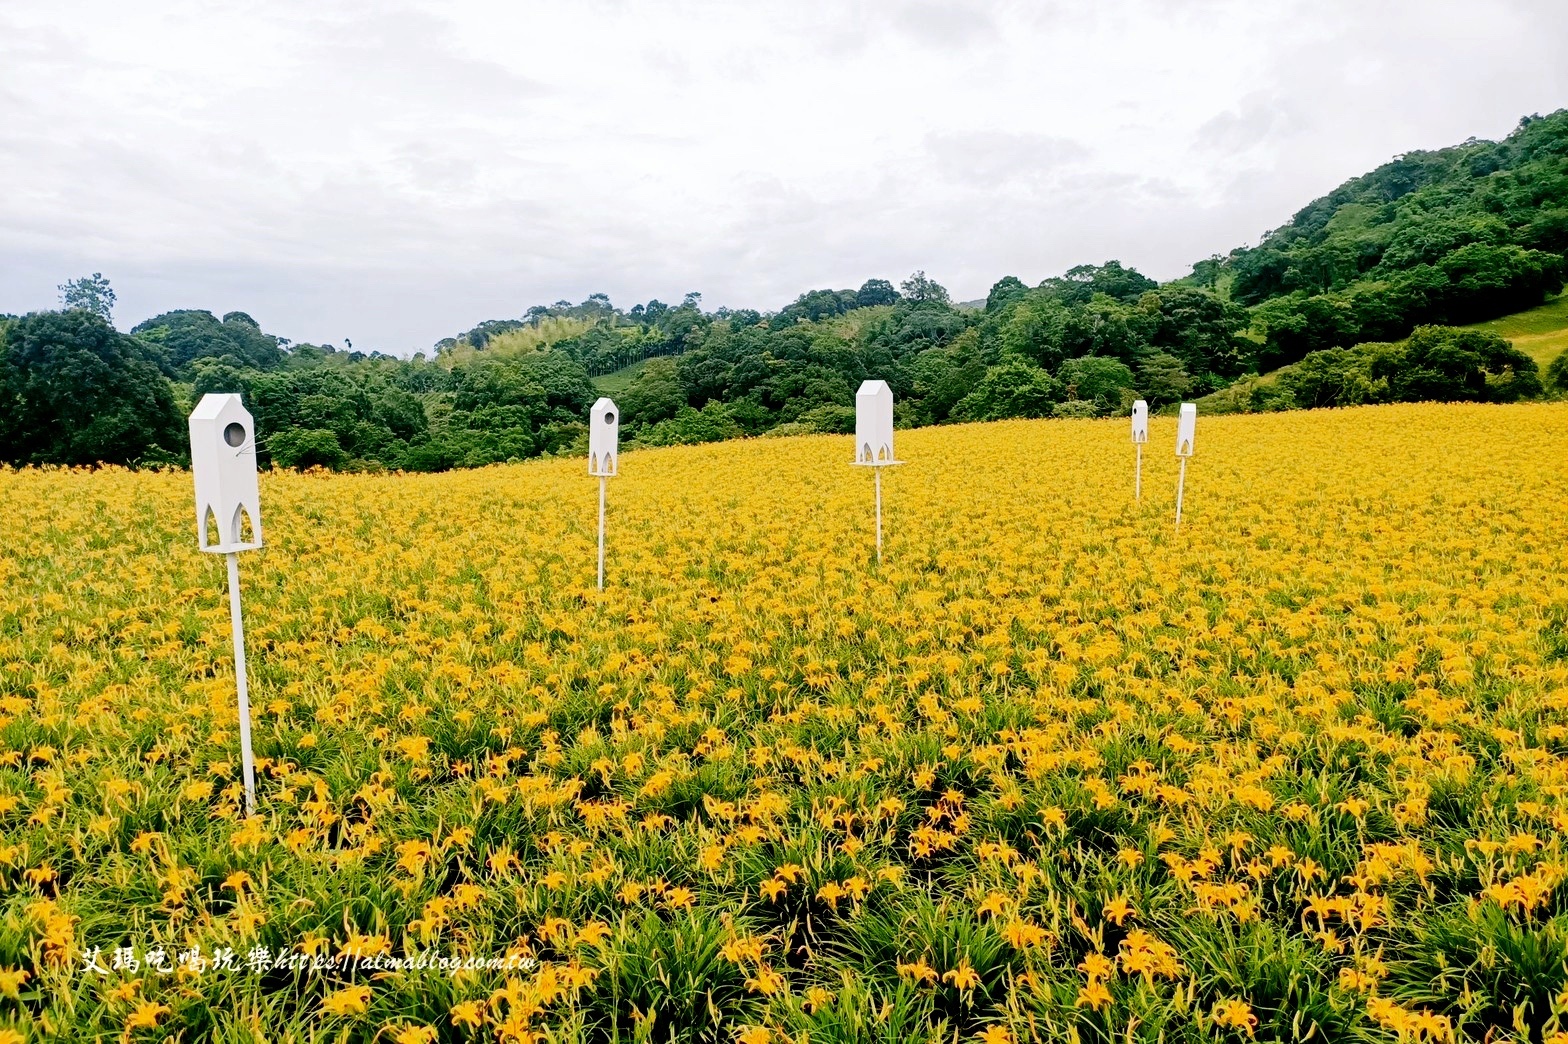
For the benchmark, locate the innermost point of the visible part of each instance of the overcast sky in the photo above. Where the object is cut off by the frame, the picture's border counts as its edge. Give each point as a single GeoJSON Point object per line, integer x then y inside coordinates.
{"type": "Point", "coordinates": [394, 173]}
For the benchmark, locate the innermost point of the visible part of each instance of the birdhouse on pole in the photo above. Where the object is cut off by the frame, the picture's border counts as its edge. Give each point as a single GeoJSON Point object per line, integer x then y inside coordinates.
{"type": "Point", "coordinates": [1186, 429]}
{"type": "Point", "coordinates": [604, 434]}
{"type": "Point", "coordinates": [874, 438]}
{"type": "Point", "coordinates": [228, 498]}
{"type": "Point", "coordinates": [223, 461]}
{"type": "Point", "coordinates": [874, 425]}
{"type": "Point", "coordinates": [1186, 433]}
{"type": "Point", "coordinates": [604, 437]}
{"type": "Point", "coordinates": [1140, 435]}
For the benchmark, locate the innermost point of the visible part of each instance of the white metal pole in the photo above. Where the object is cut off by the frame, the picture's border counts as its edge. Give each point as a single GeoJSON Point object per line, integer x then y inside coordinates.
{"type": "Point", "coordinates": [1181, 482]}
{"type": "Point", "coordinates": [878, 473]}
{"type": "Point", "coordinates": [602, 481]}
{"type": "Point", "coordinates": [1137, 481]}
{"type": "Point", "coordinates": [238, 626]}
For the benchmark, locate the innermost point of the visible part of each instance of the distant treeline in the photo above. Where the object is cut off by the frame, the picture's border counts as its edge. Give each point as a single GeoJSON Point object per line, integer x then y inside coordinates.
{"type": "Point", "coordinates": [1453, 236]}
{"type": "Point", "coordinates": [78, 391]}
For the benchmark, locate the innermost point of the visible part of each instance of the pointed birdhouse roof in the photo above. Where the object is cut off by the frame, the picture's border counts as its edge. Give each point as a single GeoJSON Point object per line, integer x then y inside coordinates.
{"type": "Point", "coordinates": [216, 406]}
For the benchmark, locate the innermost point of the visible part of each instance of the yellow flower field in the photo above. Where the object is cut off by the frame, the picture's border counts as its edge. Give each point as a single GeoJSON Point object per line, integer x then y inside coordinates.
{"type": "Point", "coordinates": [1054, 770]}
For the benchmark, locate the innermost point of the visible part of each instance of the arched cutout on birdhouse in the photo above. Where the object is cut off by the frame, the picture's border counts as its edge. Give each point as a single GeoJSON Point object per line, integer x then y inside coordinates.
{"type": "Point", "coordinates": [874, 424]}
{"type": "Point", "coordinates": [244, 532]}
{"type": "Point", "coordinates": [223, 464]}
{"type": "Point", "coordinates": [604, 434]}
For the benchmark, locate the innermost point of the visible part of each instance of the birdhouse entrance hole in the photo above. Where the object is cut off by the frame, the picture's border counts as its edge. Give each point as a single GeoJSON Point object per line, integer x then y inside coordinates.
{"type": "Point", "coordinates": [234, 434]}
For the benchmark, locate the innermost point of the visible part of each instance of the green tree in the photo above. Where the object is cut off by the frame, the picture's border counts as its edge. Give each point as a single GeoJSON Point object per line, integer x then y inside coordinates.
{"type": "Point", "coordinates": [875, 292]}
{"type": "Point", "coordinates": [1455, 235]}
{"type": "Point", "coordinates": [1012, 388]}
{"type": "Point", "coordinates": [73, 390]}
{"type": "Point", "coordinates": [1557, 374]}
{"type": "Point", "coordinates": [1435, 364]}
{"type": "Point", "coordinates": [712, 423]}
{"type": "Point", "coordinates": [1202, 331]}
{"type": "Point", "coordinates": [307, 448]}
{"type": "Point", "coordinates": [1206, 273]}
{"type": "Point", "coordinates": [829, 418]}
{"type": "Point", "coordinates": [1339, 376]}
{"type": "Point", "coordinates": [89, 294]}
{"type": "Point", "coordinates": [1082, 282]}
{"type": "Point", "coordinates": [1163, 379]}
{"type": "Point", "coordinates": [921, 289]}
{"type": "Point", "coordinates": [1099, 381]}
{"type": "Point", "coordinates": [943, 376]}
{"type": "Point", "coordinates": [191, 334]}
{"type": "Point", "coordinates": [814, 305]}
{"type": "Point", "coordinates": [1038, 329]}
{"type": "Point", "coordinates": [1441, 364]}
{"type": "Point", "coordinates": [1073, 409]}
{"type": "Point", "coordinates": [1005, 289]}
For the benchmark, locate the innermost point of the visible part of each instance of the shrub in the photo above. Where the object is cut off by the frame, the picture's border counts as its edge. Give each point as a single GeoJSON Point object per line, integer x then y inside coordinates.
{"type": "Point", "coordinates": [307, 448]}
{"type": "Point", "coordinates": [1075, 408]}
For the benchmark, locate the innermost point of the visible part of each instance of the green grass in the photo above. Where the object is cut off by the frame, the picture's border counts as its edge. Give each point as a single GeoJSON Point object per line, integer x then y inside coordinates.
{"type": "Point", "coordinates": [1232, 399]}
{"type": "Point", "coordinates": [613, 384]}
{"type": "Point", "coordinates": [1541, 333]}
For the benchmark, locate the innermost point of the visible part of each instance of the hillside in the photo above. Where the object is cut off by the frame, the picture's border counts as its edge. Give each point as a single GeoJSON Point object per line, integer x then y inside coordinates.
{"type": "Point", "coordinates": [1539, 334]}
{"type": "Point", "coordinates": [1453, 236]}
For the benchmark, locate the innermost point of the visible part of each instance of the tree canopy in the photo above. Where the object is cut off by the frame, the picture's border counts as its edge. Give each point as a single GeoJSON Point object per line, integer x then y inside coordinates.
{"type": "Point", "coordinates": [73, 390]}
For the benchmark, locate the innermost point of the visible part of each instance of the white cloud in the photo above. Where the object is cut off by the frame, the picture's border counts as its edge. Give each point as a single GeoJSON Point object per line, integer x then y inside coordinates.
{"type": "Point", "coordinates": [395, 174]}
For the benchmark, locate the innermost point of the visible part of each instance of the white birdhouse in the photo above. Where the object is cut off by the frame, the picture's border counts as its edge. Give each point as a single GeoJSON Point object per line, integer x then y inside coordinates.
{"type": "Point", "coordinates": [1140, 421]}
{"type": "Point", "coordinates": [874, 424]}
{"type": "Point", "coordinates": [604, 434]}
{"type": "Point", "coordinates": [223, 462]}
{"type": "Point", "coordinates": [1186, 429]}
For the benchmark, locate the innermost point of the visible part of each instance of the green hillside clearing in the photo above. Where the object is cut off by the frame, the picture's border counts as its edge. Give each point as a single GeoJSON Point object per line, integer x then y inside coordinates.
{"type": "Point", "coordinates": [616, 382]}
{"type": "Point", "coordinates": [1541, 333]}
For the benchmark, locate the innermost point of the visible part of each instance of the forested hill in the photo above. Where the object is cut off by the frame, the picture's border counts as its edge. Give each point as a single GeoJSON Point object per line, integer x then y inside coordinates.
{"type": "Point", "coordinates": [1426, 241]}
{"type": "Point", "coordinates": [1454, 236]}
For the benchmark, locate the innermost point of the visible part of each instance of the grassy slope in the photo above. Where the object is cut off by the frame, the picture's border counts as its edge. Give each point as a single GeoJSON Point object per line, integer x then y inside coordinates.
{"type": "Point", "coordinates": [1541, 333]}
{"type": "Point", "coordinates": [616, 382]}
